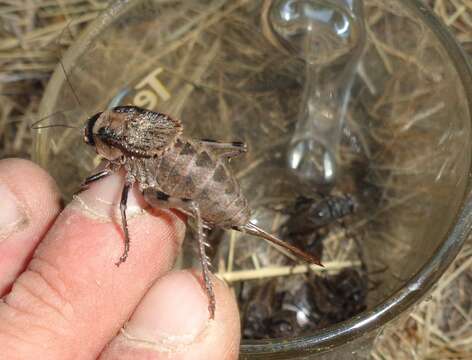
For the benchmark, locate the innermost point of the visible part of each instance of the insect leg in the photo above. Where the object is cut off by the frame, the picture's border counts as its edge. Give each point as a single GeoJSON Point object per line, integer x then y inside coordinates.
{"type": "Point", "coordinates": [105, 170]}
{"type": "Point", "coordinates": [228, 150]}
{"type": "Point", "coordinates": [91, 179]}
{"type": "Point", "coordinates": [124, 222]}
{"type": "Point", "coordinates": [204, 260]}
{"type": "Point", "coordinates": [97, 176]}
{"type": "Point", "coordinates": [158, 198]}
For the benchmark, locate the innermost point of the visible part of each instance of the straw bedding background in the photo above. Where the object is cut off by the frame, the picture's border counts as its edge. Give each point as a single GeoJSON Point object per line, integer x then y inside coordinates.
{"type": "Point", "coordinates": [32, 39]}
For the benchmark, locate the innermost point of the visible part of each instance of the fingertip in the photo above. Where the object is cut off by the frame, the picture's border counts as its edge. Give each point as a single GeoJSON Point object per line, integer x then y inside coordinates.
{"type": "Point", "coordinates": [72, 282]}
{"type": "Point", "coordinates": [30, 201]}
{"type": "Point", "coordinates": [173, 319]}
{"type": "Point", "coordinates": [174, 309]}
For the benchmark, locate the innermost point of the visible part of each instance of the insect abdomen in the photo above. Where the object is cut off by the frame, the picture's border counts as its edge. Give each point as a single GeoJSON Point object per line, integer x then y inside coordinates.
{"type": "Point", "coordinates": [191, 170]}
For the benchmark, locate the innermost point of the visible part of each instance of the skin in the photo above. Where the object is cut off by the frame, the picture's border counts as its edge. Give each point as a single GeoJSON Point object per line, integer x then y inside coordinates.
{"type": "Point", "coordinates": [63, 297]}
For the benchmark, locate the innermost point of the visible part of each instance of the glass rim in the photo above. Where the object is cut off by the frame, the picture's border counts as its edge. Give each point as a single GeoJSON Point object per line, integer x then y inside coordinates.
{"type": "Point", "coordinates": [414, 289]}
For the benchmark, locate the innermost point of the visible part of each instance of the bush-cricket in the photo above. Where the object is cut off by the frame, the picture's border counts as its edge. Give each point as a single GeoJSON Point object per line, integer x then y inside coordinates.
{"type": "Point", "coordinates": [173, 171]}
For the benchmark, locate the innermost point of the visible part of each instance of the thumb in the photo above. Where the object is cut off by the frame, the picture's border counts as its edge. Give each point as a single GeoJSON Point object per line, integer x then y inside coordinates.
{"type": "Point", "coordinates": [172, 322]}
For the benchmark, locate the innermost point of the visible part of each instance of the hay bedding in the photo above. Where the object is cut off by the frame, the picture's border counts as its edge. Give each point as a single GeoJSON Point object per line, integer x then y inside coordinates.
{"type": "Point", "coordinates": [32, 38]}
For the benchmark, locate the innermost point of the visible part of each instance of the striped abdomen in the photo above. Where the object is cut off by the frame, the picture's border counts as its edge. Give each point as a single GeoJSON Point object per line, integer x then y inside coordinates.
{"type": "Point", "coordinates": [190, 169]}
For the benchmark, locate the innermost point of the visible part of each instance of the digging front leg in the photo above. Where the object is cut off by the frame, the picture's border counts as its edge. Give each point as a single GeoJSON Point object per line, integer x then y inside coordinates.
{"type": "Point", "coordinates": [157, 198]}
{"type": "Point", "coordinates": [124, 222]}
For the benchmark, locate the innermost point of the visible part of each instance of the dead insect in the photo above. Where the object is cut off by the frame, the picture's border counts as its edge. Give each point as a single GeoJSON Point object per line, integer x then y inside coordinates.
{"type": "Point", "coordinates": [282, 324]}
{"type": "Point", "coordinates": [340, 296]}
{"type": "Point", "coordinates": [311, 214]}
{"type": "Point", "coordinates": [272, 312]}
{"type": "Point", "coordinates": [280, 309]}
{"type": "Point", "coordinates": [258, 310]}
{"type": "Point", "coordinates": [310, 219]}
{"type": "Point", "coordinates": [173, 171]}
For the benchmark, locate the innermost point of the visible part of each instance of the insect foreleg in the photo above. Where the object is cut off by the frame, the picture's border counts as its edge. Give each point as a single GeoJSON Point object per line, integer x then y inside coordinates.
{"type": "Point", "coordinates": [95, 177]}
{"type": "Point", "coordinates": [227, 150]}
{"type": "Point", "coordinates": [124, 222]}
{"type": "Point", "coordinates": [158, 198]}
{"type": "Point", "coordinates": [106, 170]}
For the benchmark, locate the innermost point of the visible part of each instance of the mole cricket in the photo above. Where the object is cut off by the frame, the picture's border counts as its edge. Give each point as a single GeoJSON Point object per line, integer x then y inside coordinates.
{"type": "Point", "coordinates": [173, 171]}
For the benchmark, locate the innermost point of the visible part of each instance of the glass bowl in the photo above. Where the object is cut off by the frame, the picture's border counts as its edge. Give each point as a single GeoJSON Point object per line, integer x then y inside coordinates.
{"type": "Point", "coordinates": [404, 154]}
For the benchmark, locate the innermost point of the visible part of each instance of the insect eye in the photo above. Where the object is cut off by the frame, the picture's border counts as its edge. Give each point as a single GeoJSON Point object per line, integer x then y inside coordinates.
{"type": "Point", "coordinates": [88, 132]}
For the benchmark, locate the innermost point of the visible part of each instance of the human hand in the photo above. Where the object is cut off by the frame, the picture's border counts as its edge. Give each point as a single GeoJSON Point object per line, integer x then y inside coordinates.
{"type": "Point", "coordinates": [63, 297]}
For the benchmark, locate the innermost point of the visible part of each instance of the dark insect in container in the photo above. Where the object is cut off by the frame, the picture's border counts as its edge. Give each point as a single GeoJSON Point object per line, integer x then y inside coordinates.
{"type": "Point", "coordinates": [276, 309]}
{"type": "Point", "coordinates": [258, 310]}
{"type": "Point", "coordinates": [173, 171]}
{"type": "Point", "coordinates": [313, 303]}
{"type": "Point", "coordinates": [312, 214]}
{"type": "Point", "coordinates": [310, 218]}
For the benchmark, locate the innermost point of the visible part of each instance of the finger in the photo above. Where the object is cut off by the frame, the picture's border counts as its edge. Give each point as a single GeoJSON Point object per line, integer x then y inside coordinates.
{"type": "Point", "coordinates": [29, 203]}
{"type": "Point", "coordinates": [172, 322]}
{"type": "Point", "coordinates": [72, 299]}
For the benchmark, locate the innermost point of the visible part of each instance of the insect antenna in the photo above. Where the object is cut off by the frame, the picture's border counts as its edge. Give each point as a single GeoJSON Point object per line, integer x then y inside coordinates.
{"type": "Point", "coordinates": [252, 229]}
{"type": "Point", "coordinates": [70, 84]}
{"type": "Point", "coordinates": [76, 98]}
{"type": "Point", "coordinates": [37, 124]}
{"type": "Point", "coordinates": [61, 64]}
{"type": "Point", "coordinates": [53, 125]}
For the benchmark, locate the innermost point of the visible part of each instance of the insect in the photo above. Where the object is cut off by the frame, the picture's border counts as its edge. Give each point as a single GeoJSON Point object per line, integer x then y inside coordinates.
{"type": "Point", "coordinates": [310, 219]}
{"type": "Point", "coordinates": [258, 310]}
{"type": "Point", "coordinates": [310, 214]}
{"type": "Point", "coordinates": [173, 171]}
{"type": "Point", "coordinates": [283, 309]}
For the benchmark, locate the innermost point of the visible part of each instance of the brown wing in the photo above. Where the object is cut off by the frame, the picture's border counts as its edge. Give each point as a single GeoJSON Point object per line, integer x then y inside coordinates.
{"type": "Point", "coordinates": [147, 133]}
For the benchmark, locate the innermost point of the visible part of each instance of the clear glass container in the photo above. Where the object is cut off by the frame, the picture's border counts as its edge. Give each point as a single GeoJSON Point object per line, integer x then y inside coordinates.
{"type": "Point", "coordinates": [405, 151]}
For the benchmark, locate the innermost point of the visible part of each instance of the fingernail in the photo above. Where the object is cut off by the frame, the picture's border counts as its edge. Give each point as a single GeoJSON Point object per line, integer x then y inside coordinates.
{"type": "Point", "coordinates": [173, 313]}
{"type": "Point", "coordinates": [12, 215]}
{"type": "Point", "coordinates": [102, 199]}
